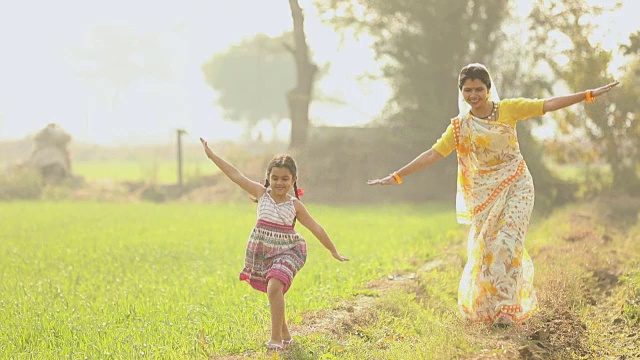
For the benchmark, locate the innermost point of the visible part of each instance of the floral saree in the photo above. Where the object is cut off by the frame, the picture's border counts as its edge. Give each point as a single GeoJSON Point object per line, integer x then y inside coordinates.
{"type": "Point", "coordinates": [495, 196]}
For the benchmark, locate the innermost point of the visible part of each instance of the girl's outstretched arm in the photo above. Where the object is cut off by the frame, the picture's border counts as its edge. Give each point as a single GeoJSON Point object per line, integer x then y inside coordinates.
{"type": "Point", "coordinates": [561, 102]}
{"type": "Point", "coordinates": [254, 188]}
{"type": "Point", "coordinates": [316, 229]}
{"type": "Point", "coordinates": [422, 161]}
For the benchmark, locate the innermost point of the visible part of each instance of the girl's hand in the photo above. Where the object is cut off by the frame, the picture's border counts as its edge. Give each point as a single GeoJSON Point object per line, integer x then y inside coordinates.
{"type": "Point", "coordinates": [206, 148]}
{"type": "Point", "coordinates": [339, 257]}
{"type": "Point", "coordinates": [389, 180]}
{"type": "Point", "coordinates": [604, 89]}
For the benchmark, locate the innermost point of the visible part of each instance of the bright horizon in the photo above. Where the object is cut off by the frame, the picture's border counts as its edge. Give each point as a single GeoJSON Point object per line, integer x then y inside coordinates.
{"type": "Point", "coordinates": [40, 83]}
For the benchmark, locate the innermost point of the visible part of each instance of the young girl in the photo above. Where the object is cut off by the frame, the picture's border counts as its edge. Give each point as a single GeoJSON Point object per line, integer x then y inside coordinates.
{"type": "Point", "coordinates": [275, 251]}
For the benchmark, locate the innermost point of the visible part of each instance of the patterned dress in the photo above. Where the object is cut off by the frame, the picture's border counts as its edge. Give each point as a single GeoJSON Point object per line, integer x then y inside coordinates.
{"type": "Point", "coordinates": [495, 197]}
{"type": "Point", "coordinates": [275, 249]}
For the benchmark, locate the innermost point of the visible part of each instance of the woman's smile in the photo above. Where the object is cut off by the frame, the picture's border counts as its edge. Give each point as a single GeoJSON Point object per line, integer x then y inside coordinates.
{"type": "Point", "coordinates": [475, 93]}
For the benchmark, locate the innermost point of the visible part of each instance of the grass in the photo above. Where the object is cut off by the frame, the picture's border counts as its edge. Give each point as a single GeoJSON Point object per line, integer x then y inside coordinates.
{"type": "Point", "coordinates": [579, 252]}
{"type": "Point", "coordinates": [135, 281]}
{"type": "Point", "coordinates": [631, 305]}
{"type": "Point", "coordinates": [153, 171]}
{"type": "Point", "coordinates": [631, 279]}
{"type": "Point", "coordinates": [98, 280]}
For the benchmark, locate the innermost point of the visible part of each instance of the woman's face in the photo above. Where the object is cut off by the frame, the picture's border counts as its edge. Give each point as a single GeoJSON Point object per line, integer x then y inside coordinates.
{"type": "Point", "coordinates": [475, 92]}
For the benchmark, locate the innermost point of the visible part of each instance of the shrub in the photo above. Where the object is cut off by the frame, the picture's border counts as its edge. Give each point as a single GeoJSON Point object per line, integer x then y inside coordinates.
{"type": "Point", "coordinates": [20, 183]}
{"type": "Point", "coordinates": [631, 307]}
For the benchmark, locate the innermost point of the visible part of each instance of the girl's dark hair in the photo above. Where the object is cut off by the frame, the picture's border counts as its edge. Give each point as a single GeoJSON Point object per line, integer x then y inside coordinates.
{"type": "Point", "coordinates": [474, 71]}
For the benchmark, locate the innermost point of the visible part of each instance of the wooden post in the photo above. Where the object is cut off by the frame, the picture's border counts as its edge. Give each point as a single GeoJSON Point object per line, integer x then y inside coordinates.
{"type": "Point", "coordinates": [179, 133]}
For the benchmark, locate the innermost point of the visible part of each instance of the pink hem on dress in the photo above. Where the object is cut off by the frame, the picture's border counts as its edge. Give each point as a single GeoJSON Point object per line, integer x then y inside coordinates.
{"type": "Point", "coordinates": [262, 286]}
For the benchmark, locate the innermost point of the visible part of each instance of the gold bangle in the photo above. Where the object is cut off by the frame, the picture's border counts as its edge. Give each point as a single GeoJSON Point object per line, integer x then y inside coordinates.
{"type": "Point", "coordinates": [397, 177]}
{"type": "Point", "coordinates": [589, 97]}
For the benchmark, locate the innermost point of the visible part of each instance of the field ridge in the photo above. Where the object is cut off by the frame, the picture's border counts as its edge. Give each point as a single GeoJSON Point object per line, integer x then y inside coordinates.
{"type": "Point", "coordinates": [578, 285]}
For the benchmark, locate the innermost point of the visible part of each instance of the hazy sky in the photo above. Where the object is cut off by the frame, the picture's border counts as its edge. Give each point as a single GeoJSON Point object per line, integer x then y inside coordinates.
{"type": "Point", "coordinates": [41, 66]}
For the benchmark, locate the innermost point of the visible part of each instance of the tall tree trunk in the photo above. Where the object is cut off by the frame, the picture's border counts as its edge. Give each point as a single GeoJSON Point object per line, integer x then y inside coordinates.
{"type": "Point", "coordinates": [299, 97]}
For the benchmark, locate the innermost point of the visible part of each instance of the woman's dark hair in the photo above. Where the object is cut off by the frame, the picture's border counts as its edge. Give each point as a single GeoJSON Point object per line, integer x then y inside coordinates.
{"type": "Point", "coordinates": [474, 71]}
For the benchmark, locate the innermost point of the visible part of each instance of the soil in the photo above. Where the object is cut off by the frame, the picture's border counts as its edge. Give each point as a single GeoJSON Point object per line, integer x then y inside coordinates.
{"type": "Point", "coordinates": [579, 318]}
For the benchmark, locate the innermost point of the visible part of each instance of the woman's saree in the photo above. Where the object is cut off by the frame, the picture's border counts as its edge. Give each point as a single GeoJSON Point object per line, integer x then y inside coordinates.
{"type": "Point", "coordinates": [495, 196]}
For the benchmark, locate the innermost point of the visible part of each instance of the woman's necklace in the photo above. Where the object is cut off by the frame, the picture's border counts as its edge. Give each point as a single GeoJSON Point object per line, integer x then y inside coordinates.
{"type": "Point", "coordinates": [490, 116]}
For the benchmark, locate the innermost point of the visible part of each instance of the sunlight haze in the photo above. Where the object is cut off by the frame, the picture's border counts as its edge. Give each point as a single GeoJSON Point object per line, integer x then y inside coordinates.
{"type": "Point", "coordinates": [48, 67]}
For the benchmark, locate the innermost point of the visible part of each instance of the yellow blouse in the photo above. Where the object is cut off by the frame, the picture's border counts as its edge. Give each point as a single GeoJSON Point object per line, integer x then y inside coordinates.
{"type": "Point", "coordinates": [509, 112]}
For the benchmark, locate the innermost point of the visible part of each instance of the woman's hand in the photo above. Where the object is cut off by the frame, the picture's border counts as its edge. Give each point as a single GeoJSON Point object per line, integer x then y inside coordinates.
{"type": "Point", "coordinates": [206, 148]}
{"type": "Point", "coordinates": [338, 256]}
{"type": "Point", "coordinates": [604, 89]}
{"type": "Point", "coordinates": [561, 102]}
{"type": "Point", "coordinates": [389, 180]}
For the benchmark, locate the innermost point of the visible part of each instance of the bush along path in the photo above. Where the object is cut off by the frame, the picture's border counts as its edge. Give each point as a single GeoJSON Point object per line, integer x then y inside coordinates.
{"type": "Point", "coordinates": [587, 260]}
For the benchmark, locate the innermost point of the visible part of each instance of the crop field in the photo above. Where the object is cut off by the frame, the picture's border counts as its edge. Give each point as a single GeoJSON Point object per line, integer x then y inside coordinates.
{"type": "Point", "coordinates": [139, 171]}
{"type": "Point", "coordinates": [83, 280]}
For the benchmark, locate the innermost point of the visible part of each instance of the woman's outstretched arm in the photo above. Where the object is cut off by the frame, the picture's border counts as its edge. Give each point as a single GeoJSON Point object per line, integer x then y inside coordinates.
{"type": "Point", "coordinates": [422, 161]}
{"type": "Point", "coordinates": [561, 102]}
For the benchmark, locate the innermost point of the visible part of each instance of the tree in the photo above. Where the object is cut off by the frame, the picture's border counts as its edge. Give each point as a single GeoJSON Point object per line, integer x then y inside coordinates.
{"type": "Point", "coordinates": [299, 98]}
{"type": "Point", "coordinates": [634, 44]}
{"type": "Point", "coordinates": [625, 116]}
{"type": "Point", "coordinates": [251, 79]}
{"type": "Point", "coordinates": [585, 66]}
{"type": "Point", "coordinates": [422, 46]}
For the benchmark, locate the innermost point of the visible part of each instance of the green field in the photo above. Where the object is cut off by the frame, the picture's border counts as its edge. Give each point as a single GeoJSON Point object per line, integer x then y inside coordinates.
{"type": "Point", "coordinates": [153, 171]}
{"type": "Point", "coordinates": [124, 281]}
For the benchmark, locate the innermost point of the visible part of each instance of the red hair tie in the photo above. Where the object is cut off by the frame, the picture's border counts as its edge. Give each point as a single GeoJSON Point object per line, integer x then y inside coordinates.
{"type": "Point", "coordinates": [299, 192]}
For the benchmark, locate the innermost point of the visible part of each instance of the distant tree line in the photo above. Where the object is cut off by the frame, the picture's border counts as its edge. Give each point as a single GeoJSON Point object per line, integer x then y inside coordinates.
{"type": "Point", "coordinates": [421, 46]}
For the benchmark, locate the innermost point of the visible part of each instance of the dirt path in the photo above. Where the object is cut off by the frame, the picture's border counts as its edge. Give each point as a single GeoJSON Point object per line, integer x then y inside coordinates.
{"type": "Point", "coordinates": [577, 287]}
{"type": "Point", "coordinates": [349, 314]}
{"type": "Point", "coordinates": [576, 282]}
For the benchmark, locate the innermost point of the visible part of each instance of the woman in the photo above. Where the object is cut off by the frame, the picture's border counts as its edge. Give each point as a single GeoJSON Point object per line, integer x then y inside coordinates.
{"type": "Point", "coordinates": [494, 194]}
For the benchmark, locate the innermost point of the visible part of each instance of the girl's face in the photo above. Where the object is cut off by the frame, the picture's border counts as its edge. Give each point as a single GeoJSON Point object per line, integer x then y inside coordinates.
{"type": "Point", "coordinates": [281, 180]}
{"type": "Point", "coordinates": [475, 93]}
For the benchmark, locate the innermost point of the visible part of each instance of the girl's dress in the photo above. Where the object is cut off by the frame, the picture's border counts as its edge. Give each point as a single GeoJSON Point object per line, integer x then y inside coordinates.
{"type": "Point", "coordinates": [275, 249]}
{"type": "Point", "coordinates": [495, 196]}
